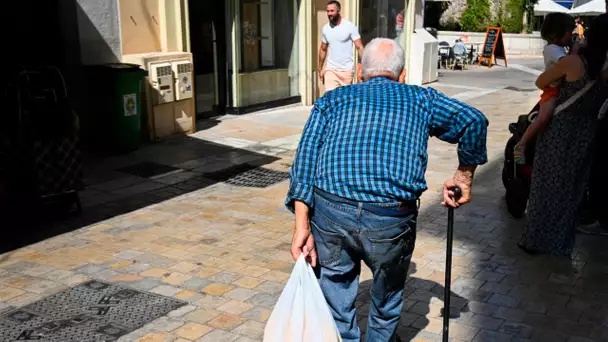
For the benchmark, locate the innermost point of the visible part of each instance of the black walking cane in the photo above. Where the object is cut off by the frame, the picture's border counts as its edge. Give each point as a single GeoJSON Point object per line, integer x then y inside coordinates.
{"type": "Point", "coordinates": [448, 267]}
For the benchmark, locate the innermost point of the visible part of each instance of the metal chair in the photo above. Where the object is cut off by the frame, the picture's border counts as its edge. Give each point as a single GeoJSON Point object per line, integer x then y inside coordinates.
{"type": "Point", "coordinates": [474, 54]}
{"type": "Point", "coordinates": [444, 54]}
{"type": "Point", "coordinates": [471, 56]}
{"type": "Point", "coordinates": [460, 54]}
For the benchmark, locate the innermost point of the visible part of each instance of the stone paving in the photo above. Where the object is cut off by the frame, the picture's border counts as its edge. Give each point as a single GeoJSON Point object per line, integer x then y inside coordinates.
{"type": "Point", "coordinates": [211, 230]}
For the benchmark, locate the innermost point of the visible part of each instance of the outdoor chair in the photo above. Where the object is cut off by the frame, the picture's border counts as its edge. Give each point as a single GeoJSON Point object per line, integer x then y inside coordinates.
{"type": "Point", "coordinates": [460, 55]}
{"type": "Point", "coordinates": [445, 53]}
{"type": "Point", "coordinates": [473, 55]}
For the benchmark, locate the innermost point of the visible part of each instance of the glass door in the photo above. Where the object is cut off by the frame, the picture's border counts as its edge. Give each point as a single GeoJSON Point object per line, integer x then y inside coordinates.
{"type": "Point", "coordinates": [380, 18]}
{"type": "Point", "coordinates": [208, 44]}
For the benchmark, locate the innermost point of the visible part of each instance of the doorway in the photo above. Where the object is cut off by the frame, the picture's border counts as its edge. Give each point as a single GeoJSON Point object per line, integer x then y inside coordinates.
{"type": "Point", "coordinates": [208, 43]}
{"type": "Point", "coordinates": [380, 18]}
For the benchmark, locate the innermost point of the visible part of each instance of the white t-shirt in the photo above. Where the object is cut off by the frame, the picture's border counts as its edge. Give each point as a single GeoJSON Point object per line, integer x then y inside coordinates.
{"type": "Point", "coordinates": [340, 40]}
{"type": "Point", "coordinates": [553, 53]}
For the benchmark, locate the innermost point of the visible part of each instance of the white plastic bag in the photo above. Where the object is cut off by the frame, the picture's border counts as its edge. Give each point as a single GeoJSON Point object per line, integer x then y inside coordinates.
{"type": "Point", "coordinates": [301, 314]}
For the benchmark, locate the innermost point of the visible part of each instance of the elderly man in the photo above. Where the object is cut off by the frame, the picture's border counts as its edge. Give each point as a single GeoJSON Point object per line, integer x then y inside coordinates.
{"type": "Point", "coordinates": [357, 177]}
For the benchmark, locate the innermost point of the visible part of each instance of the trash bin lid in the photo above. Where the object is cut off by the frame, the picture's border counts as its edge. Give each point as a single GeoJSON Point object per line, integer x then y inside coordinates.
{"type": "Point", "coordinates": [123, 66]}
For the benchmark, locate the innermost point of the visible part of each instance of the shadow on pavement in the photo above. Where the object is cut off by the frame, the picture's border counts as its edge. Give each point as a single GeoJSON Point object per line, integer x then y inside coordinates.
{"type": "Point", "coordinates": [417, 305]}
{"type": "Point", "coordinates": [158, 172]}
{"type": "Point", "coordinates": [499, 291]}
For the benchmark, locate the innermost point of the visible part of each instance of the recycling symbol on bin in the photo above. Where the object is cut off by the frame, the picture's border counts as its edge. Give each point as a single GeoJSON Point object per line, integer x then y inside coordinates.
{"type": "Point", "coordinates": [130, 104]}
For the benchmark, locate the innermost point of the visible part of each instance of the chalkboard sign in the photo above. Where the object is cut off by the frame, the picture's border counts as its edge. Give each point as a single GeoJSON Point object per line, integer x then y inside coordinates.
{"type": "Point", "coordinates": [489, 43]}
{"type": "Point", "coordinates": [493, 47]}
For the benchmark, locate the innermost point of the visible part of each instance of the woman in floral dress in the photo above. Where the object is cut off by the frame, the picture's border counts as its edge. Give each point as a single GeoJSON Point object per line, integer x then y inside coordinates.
{"type": "Point", "coordinates": [564, 151]}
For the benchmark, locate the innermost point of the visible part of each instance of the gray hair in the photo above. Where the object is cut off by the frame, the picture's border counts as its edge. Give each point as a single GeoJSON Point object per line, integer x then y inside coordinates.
{"type": "Point", "coordinates": [382, 55]}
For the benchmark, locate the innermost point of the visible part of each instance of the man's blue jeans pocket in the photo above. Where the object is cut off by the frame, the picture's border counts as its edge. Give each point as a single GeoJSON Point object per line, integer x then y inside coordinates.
{"type": "Point", "coordinates": [391, 248]}
{"type": "Point", "coordinates": [329, 240]}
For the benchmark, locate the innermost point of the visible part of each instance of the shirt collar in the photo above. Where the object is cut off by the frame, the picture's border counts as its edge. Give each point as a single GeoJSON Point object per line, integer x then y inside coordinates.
{"type": "Point", "coordinates": [379, 79]}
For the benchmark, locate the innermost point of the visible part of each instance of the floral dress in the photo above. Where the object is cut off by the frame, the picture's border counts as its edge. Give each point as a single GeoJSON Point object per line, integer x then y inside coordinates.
{"type": "Point", "coordinates": [561, 171]}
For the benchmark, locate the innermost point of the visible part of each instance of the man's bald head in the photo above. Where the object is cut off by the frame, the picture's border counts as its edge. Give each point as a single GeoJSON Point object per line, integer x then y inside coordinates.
{"type": "Point", "coordinates": [382, 57]}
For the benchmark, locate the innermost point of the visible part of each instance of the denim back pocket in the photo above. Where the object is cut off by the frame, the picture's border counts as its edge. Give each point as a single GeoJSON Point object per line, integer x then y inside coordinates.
{"type": "Point", "coordinates": [328, 240]}
{"type": "Point", "coordinates": [391, 249]}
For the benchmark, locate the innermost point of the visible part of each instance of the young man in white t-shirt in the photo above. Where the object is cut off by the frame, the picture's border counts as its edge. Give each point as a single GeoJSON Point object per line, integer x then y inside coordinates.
{"type": "Point", "coordinates": [338, 37]}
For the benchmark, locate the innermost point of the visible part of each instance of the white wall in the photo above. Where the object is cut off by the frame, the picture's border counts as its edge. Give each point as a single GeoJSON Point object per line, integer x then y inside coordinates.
{"type": "Point", "coordinates": [423, 62]}
{"type": "Point", "coordinates": [515, 44]}
{"type": "Point", "coordinates": [99, 31]}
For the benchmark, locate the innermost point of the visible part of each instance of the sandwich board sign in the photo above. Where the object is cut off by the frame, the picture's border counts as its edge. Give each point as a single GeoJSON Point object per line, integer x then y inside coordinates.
{"type": "Point", "coordinates": [493, 47]}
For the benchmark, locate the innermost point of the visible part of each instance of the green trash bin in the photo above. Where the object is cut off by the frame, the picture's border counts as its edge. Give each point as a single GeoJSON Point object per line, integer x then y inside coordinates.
{"type": "Point", "coordinates": [117, 96]}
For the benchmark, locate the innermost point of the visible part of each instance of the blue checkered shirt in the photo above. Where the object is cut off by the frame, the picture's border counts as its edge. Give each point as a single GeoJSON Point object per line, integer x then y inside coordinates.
{"type": "Point", "coordinates": [368, 142]}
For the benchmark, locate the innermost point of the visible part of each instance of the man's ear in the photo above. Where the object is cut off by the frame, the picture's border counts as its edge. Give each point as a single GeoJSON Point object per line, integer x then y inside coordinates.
{"type": "Point", "coordinates": [402, 76]}
{"type": "Point", "coordinates": [359, 73]}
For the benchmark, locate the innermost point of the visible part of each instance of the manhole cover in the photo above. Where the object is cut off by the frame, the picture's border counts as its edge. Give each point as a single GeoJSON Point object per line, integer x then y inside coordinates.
{"type": "Point", "coordinates": [258, 178]}
{"type": "Point", "coordinates": [93, 311]}
{"type": "Point", "coordinates": [149, 170]}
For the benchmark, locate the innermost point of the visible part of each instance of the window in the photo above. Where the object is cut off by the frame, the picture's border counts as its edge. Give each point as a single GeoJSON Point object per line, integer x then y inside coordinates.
{"type": "Point", "coordinates": [267, 34]}
{"type": "Point", "coordinates": [381, 18]}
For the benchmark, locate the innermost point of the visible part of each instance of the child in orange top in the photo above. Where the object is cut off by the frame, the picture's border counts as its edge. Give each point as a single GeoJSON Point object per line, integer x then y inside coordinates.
{"type": "Point", "coordinates": [557, 31]}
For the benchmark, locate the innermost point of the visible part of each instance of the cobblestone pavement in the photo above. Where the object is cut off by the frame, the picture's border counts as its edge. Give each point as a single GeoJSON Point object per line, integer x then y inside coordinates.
{"type": "Point", "coordinates": [202, 220]}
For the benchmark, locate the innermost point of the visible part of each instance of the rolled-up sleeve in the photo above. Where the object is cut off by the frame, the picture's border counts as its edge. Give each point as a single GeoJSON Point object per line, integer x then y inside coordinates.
{"type": "Point", "coordinates": [455, 122]}
{"type": "Point", "coordinates": [303, 170]}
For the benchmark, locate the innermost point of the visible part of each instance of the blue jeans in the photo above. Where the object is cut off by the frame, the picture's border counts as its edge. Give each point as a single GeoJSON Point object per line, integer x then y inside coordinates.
{"type": "Point", "coordinates": [382, 236]}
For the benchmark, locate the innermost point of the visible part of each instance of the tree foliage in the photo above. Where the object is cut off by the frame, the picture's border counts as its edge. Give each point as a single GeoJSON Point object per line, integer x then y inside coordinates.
{"type": "Point", "coordinates": [514, 14]}
{"type": "Point", "coordinates": [450, 18]}
{"type": "Point", "coordinates": [477, 16]}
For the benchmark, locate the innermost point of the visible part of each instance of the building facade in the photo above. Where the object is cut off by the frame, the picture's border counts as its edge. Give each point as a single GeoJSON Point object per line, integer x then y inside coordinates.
{"type": "Point", "coordinates": [247, 54]}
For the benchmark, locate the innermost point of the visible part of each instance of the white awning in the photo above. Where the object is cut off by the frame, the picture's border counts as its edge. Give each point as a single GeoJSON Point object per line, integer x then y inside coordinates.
{"type": "Point", "coordinates": [544, 7]}
{"type": "Point", "coordinates": [594, 7]}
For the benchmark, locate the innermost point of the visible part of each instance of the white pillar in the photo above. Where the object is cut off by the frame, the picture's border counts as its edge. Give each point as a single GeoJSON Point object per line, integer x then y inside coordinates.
{"type": "Point", "coordinates": [186, 26]}
{"type": "Point", "coordinates": [235, 47]}
{"type": "Point", "coordinates": [408, 27]}
{"type": "Point", "coordinates": [306, 31]}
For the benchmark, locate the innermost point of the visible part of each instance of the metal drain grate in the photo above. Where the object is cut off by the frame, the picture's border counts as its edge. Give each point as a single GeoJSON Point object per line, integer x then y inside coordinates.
{"type": "Point", "coordinates": [93, 311]}
{"type": "Point", "coordinates": [258, 178]}
{"type": "Point", "coordinates": [231, 172]}
{"type": "Point", "coordinates": [149, 169]}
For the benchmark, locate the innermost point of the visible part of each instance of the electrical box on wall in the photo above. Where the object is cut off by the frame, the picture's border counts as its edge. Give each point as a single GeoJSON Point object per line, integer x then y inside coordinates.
{"type": "Point", "coordinates": [183, 79]}
{"type": "Point", "coordinates": [169, 92]}
{"type": "Point", "coordinates": [161, 78]}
